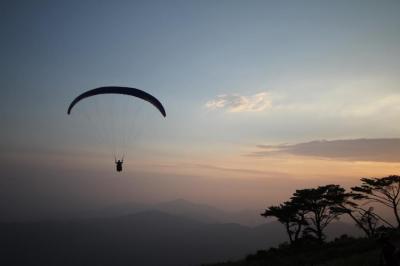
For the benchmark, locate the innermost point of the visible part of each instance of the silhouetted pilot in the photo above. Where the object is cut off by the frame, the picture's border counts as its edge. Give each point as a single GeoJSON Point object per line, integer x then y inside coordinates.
{"type": "Point", "coordinates": [118, 164]}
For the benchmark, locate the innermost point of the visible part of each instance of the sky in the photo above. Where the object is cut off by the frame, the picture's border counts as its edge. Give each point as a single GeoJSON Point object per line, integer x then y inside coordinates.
{"type": "Point", "coordinates": [262, 98]}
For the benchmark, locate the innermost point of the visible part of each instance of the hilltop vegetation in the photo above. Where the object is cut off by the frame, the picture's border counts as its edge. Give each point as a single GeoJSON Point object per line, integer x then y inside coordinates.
{"type": "Point", "coordinates": [308, 213]}
{"type": "Point", "coordinates": [340, 252]}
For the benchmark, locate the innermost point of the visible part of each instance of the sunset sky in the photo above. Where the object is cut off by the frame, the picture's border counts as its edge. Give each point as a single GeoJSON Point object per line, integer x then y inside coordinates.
{"type": "Point", "coordinates": [262, 98]}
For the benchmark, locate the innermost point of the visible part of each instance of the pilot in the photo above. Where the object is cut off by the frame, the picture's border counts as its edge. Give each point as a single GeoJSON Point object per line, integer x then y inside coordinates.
{"type": "Point", "coordinates": [118, 164]}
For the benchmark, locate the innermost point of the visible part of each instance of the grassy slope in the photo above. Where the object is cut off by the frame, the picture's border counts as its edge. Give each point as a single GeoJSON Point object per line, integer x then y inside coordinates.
{"type": "Point", "coordinates": [341, 252]}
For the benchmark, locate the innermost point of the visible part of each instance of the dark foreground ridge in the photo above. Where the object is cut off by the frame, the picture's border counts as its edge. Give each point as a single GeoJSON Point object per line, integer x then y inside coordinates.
{"type": "Point", "coordinates": [343, 251]}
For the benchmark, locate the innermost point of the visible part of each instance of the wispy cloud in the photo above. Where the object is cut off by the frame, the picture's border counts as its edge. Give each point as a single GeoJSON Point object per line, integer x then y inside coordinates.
{"type": "Point", "coordinates": [343, 103]}
{"type": "Point", "coordinates": [236, 103]}
{"type": "Point", "coordinates": [378, 150]}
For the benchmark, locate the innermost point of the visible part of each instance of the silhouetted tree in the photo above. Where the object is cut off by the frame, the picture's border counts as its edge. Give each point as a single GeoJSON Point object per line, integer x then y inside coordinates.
{"type": "Point", "coordinates": [385, 190]}
{"type": "Point", "coordinates": [319, 205]}
{"type": "Point", "coordinates": [366, 219]}
{"type": "Point", "coordinates": [291, 216]}
{"type": "Point", "coordinates": [369, 220]}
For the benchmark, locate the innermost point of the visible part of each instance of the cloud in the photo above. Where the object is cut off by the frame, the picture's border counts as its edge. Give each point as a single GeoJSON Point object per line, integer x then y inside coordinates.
{"type": "Point", "coordinates": [386, 104]}
{"type": "Point", "coordinates": [378, 150]}
{"type": "Point", "coordinates": [331, 104]}
{"type": "Point", "coordinates": [236, 103]}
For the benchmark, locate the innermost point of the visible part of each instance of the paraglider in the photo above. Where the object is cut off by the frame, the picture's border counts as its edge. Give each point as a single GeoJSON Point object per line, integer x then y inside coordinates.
{"type": "Point", "coordinates": [119, 91]}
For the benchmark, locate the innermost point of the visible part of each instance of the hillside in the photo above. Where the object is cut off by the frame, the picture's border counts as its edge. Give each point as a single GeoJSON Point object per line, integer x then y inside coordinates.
{"type": "Point", "coordinates": [343, 251]}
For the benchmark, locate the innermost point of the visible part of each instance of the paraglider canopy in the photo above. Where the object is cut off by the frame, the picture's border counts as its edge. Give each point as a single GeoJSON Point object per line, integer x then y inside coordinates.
{"type": "Point", "coordinates": [120, 90]}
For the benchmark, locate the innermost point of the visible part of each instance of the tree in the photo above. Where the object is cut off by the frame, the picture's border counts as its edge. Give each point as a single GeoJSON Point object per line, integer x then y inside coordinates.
{"type": "Point", "coordinates": [291, 216]}
{"type": "Point", "coordinates": [365, 218]}
{"type": "Point", "coordinates": [318, 205]}
{"type": "Point", "coordinates": [369, 221]}
{"type": "Point", "coordinates": [385, 191]}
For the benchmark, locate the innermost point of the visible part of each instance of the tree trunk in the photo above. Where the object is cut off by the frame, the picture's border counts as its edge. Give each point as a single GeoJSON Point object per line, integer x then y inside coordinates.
{"type": "Point", "coordinates": [319, 233]}
{"type": "Point", "coordinates": [298, 231]}
{"type": "Point", "coordinates": [289, 233]}
{"type": "Point", "coordinates": [396, 214]}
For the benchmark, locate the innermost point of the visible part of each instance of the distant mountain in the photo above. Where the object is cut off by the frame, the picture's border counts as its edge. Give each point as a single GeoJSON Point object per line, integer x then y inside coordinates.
{"type": "Point", "coordinates": [115, 210]}
{"type": "Point", "coordinates": [209, 214]}
{"type": "Point", "coordinates": [179, 207]}
{"type": "Point", "coordinates": [200, 212]}
{"type": "Point", "coordinates": [146, 238]}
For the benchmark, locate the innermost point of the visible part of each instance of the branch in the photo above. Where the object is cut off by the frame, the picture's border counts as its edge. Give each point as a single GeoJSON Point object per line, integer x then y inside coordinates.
{"type": "Point", "coordinates": [375, 200]}
{"type": "Point", "coordinates": [378, 217]}
{"type": "Point", "coordinates": [379, 197]}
